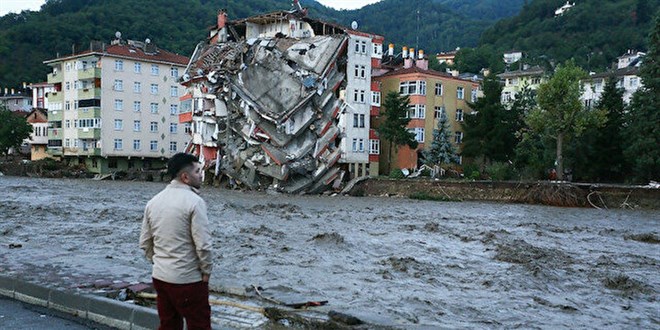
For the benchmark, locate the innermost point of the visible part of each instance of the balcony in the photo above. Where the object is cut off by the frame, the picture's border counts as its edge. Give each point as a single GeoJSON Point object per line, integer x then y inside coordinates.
{"type": "Point", "coordinates": [89, 133]}
{"type": "Point", "coordinates": [55, 134]}
{"type": "Point", "coordinates": [89, 152]}
{"type": "Point", "coordinates": [54, 151]}
{"type": "Point", "coordinates": [54, 97]}
{"type": "Point", "coordinates": [89, 112]}
{"type": "Point", "coordinates": [89, 93]}
{"type": "Point", "coordinates": [55, 78]}
{"type": "Point", "coordinates": [89, 73]}
{"type": "Point", "coordinates": [55, 115]}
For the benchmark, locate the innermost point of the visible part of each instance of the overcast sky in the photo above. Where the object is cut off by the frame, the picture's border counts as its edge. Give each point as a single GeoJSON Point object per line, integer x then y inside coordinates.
{"type": "Point", "coordinates": [16, 6]}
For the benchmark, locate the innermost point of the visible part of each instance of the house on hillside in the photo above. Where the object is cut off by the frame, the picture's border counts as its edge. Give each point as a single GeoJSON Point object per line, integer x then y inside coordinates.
{"type": "Point", "coordinates": [564, 8]}
{"type": "Point", "coordinates": [515, 81]}
{"type": "Point", "coordinates": [512, 56]}
{"type": "Point", "coordinates": [16, 99]}
{"type": "Point", "coordinates": [38, 140]}
{"type": "Point", "coordinates": [626, 73]}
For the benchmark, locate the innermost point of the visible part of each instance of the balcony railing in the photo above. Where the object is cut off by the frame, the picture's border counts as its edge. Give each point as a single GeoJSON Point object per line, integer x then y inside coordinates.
{"type": "Point", "coordinates": [55, 77]}
{"type": "Point", "coordinates": [89, 133]}
{"type": "Point", "coordinates": [55, 134]}
{"type": "Point", "coordinates": [89, 112]}
{"type": "Point", "coordinates": [56, 115]}
{"type": "Point", "coordinates": [89, 93]}
{"type": "Point", "coordinates": [55, 97]}
{"type": "Point", "coordinates": [54, 151]}
{"type": "Point", "coordinates": [89, 73]}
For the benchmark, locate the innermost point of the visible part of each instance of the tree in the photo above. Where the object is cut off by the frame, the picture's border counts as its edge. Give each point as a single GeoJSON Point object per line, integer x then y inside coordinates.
{"type": "Point", "coordinates": [441, 151]}
{"type": "Point", "coordinates": [596, 157]}
{"type": "Point", "coordinates": [643, 129]}
{"type": "Point", "coordinates": [13, 130]}
{"type": "Point", "coordinates": [393, 127]}
{"type": "Point", "coordinates": [490, 132]}
{"type": "Point", "coordinates": [560, 113]}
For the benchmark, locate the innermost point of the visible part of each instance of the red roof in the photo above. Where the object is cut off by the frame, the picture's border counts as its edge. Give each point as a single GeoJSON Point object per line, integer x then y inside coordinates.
{"type": "Point", "coordinates": [136, 52]}
{"type": "Point", "coordinates": [415, 69]}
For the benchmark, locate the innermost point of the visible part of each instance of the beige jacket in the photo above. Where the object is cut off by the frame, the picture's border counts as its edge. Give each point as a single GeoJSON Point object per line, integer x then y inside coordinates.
{"type": "Point", "coordinates": [175, 235]}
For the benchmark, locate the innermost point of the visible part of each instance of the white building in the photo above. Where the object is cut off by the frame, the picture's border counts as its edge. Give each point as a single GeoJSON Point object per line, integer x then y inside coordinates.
{"type": "Point", "coordinates": [116, 107]}
{"type": "Point", "coordinates": [626, 74]}
{"type": "Point", "coordinates": [511, 57]}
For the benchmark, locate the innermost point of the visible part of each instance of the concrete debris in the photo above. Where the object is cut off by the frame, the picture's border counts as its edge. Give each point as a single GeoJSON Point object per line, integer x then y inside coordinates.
{"type": "Point", "coordinates": [270, 107]}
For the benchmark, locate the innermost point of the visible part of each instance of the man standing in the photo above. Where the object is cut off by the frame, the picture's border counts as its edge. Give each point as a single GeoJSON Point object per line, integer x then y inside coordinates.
{"type": "Point", "coordinates": [176, 239]}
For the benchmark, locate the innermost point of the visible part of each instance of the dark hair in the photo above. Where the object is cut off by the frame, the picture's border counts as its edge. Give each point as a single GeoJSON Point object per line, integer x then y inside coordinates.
{"type": "Point", "coordinates": [179, 162]}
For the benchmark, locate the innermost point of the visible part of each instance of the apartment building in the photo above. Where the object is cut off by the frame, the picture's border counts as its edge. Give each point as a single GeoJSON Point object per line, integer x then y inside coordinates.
{"type": "Point", "coordinates": [431, 94]}
{"type": "Point", "coordinates": [115, 107]}
{"type": "Point", "coordinates": [16, 99]}
{"type": "Point", "coordinates": [515, 81]}
{"type": "Point", "coordinates": [626, 73]}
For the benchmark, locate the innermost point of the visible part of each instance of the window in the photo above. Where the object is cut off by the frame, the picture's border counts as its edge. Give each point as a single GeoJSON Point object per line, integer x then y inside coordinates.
{"type": "Point", "coordinates": [137, 125]}
{"type": "Point", "coordinates": [357, 46]}
{"type": "Point", "coordinates": [154, 70]}
{"type": "Point", "coordinates": [473, 95]}
{"type": "Point", "coordinates": [412, 87]}
{"type": "Point", "coordinates": [419, 134]}
{"type": "Point", "coordinates": [153, 127]}
{"type": "Point", "coordinates": [67, 85]}
{"type": "Point", "coordinates": [136, 145]}
{"type": "Point", "coordinates": [374, 147]}
{"type": "Point", "coordinates": [417, 111]}
{"type": "Point", "coordinates": [119, 65]}
{"type": "Point", "coordinates": [77, 84]}
{"type": "Point", "coordinates": [174, 91]}
{"type": "Point", "coordinates": [587, 103]}
{"type": "Point", "coordinates": [362, 99]}
{"type": "Point", "coordinates": [119, 124]}
{"type": "Point", "coordinates": [536, 81]}
{"type": "Point", "coordinates": [154, 89]}
{"type": "Point", "coordinates": [67, 67]}
{"type": "Point", "coordinates": [119, 85]}
{"type": "Point", "coordinates": [174, 109]}
{"type": "Point", "coordinates": [355, 96]}
{"type": "Point", "coordinates": [360, 71]}
{"type": "Point", "coordinates": [355, 148]}
{"type": "Point", "coordinates": [137, 67]}
{"type": "Point", "coordinates": [137, 106]}
{"type": "Point", "coordinates": [119, 144]}
{"type": "Point", "coordinates": [174, 72]}
{"type": "Point", "coordinates": [459, 93]}
{"type": "Point", "coordinates": [439, 112]}
{"type": "Point", "coordinates": [458, 137]}
{"type": "Point", "coordinates": [459, 114]}
{"type": "Point", "coordinates": [173, 127]}
{"type": "Point", "coordinates": [187, 127]}
{"type": "Point", "coordinates": [67, 142]}
{"type": "Point", "coordinates": [67, 124]}
{"type": "Point", "coordinates": [361, 145]}
{"type": "Point", "coordinates": [88, 123]}
{"type": "Point", "coordinates": [153, 107]}
{"type": "Point", "coordinates": [67, 105]}
{"type": "Point", "coordinates": [377, 49]}
{"type": "Point", "coordinates": [119, 104]}
{"type": "Point", "coordinates": [172, 146]}
{"type": "Point", "coordinates": [137, 87]}
{"type": "Point", "coordinates": [375, 99]}
{"type": "Point", "coordinates": [634, 81]}
{"type": "Point", "coordinates": [422, 87]}
{"type": "Point", "coordinates": [75, 143]}
{"type": "Point", "coordinates": [438, 89]}
{"type": "Point", "coordinates": [363, 47]}
{"type": "Point", "coordinates": [358, 120]}
{"type": "Point", "coordinates": [153, 145]}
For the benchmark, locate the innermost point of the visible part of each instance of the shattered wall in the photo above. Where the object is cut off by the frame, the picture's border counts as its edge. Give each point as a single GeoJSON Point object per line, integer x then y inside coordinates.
{"type": "Point", "coordinates": [270, 106]}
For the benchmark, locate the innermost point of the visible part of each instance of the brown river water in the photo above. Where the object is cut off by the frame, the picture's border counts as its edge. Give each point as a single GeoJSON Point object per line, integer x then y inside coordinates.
{"type": "Point", "coordinates": [388, 261]}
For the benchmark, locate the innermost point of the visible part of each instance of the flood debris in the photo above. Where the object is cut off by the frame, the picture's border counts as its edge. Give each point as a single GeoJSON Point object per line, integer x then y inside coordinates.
{"type": "Point", "coordinates": [265, 107]}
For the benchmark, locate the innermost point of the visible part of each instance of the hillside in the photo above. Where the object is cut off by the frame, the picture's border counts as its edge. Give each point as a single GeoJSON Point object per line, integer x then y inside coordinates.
{"type": "Point", "coordinates": [63, 26]}
{"type": "Point", "coordinates": [594, 32]}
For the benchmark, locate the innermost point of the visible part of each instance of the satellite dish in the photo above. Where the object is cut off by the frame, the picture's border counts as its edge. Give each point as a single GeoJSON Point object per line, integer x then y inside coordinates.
{"type": "Point", "coordinates": [354, 25]}
{"type": "Point", "coordinates": [118, 35]}
{"type": "Point", "coordinates": [148, 41]}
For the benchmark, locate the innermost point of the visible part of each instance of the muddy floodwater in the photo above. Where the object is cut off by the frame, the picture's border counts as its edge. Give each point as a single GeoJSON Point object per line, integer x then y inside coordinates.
{"type": "Point", "coordinates": [401, 262]}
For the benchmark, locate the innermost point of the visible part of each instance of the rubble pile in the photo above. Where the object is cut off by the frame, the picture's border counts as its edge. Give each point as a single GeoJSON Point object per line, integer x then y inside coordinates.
{"type": "Point", "coordinates": [271, 107]}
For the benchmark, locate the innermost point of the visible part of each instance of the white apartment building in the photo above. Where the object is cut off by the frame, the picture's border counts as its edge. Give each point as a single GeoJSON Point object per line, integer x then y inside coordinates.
{"type": "Point", "coordinates": [116, 107]}
{"type": "Point", "coordinates": [626, 75]}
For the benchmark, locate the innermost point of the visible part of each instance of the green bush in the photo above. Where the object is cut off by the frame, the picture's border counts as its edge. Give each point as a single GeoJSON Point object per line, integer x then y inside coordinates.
{"type": "Point", "coordinates": [396, 173]}
{"type": "Point", "coordinates": [469, 171]}
{"type": "Point", "coordinates": [475, 175]}
{"type": "Point", "coordinates": [500, 171]}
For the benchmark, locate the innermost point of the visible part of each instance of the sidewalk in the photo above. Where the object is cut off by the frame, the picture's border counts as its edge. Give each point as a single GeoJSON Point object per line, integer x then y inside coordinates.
{"type": "Point", "coordinates": [22, 316]}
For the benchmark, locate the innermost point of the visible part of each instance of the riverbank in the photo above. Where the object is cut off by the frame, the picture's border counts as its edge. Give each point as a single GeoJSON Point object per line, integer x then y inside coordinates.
{"type": "Point", "coordinates": [541, 193]}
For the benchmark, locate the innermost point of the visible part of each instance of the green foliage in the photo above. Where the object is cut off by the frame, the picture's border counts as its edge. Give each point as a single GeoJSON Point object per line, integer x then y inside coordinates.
{"type": "Point", "coordinates": [560, 113]}
{"type": "Point", "coordinates": [643, 131]}
{"type": "Point", "coordinates": [499, 171]}
{"type": "Point", "coordinates": [490, 132]}
{"type": "Point", "coordinates": [393, 127]}
{"type": "Point", "coordinates": [593, 33]}
{"type": "Point", "coordinates": [396, 173]}
{"type": "Point", "coordinates": [594, 156]}
{"type": "Point", "coordinates": [13, 130]}
{"type": "Point", "coordinates": [471, 171]}
{"type": "Point", "coordinates": [441, 151]}
{"type": "Point", "coordinates": [474, 59]}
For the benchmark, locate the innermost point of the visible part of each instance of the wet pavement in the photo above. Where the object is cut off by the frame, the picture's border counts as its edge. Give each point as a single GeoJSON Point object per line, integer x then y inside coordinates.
{"type": "Point", "coordinates": [391, 261]}
{"type": "Point", "coordinates": [20, 316]}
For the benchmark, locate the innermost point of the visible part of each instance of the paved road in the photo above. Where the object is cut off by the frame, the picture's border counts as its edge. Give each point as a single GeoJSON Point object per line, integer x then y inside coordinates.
{"type": "Point", "coordinates": [15, 315]}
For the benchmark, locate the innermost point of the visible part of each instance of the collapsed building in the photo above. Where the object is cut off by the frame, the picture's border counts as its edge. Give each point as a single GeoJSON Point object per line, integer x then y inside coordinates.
{"type": "Point", "coordinates": [266, 99]}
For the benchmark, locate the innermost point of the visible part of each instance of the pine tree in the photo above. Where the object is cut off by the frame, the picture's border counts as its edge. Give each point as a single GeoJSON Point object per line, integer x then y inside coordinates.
{"type": "Point", "coordinates": [393, 127]}
{"type": "Point", "coordinates": [643, 132]}
{"type": "Point", "coordinates": [441, 151]}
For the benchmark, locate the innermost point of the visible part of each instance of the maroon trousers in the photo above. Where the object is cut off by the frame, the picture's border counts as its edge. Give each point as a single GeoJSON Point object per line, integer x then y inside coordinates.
{"type": "Point", "coordinates": [178, 301]}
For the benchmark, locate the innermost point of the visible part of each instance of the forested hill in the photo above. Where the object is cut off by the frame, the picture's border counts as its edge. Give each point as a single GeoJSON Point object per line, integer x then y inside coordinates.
{"type": "Point", "coordinates": [61, 26]}
{"type": "Point", "coordinates": [593, 32]}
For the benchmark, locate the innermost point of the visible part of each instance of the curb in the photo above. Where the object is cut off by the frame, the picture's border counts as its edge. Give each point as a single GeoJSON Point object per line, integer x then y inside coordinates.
{"type": "Point", "coordinates": [97, 309]}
